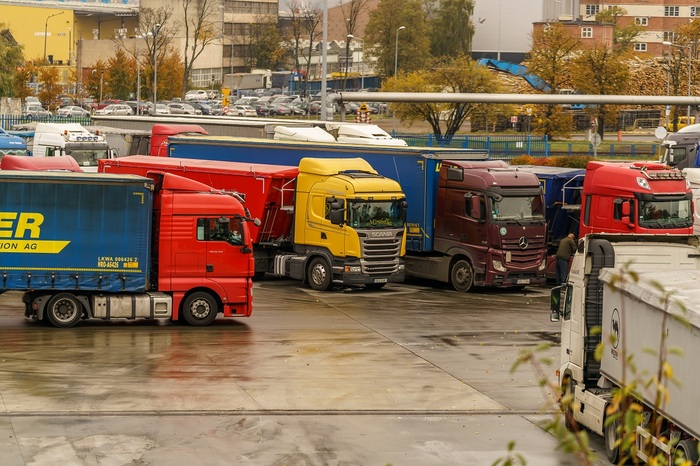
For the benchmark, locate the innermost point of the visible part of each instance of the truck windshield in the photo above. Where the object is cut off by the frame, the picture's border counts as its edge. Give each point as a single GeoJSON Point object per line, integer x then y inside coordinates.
{"type": "Point", "coordinates": [665, 214]}
{"type": "Point", "coordinates": [518, 208]}
{"type": "Point", "coordinates": [87, 157]}
{"type": "Point", "coordinates": [375, 214]}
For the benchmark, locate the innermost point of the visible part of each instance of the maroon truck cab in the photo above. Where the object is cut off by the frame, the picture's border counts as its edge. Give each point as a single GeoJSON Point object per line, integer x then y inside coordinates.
{"type": "Point", "coordinates": [491, 218]}
{"type": "Point", "coordinates": [161, 132]}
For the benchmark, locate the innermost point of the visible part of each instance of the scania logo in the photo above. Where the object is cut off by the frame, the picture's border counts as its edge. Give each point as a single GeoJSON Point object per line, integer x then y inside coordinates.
{"type": "Point", "coordinates": [381, 234]}
{"type": "Point", "coordinates": [523, 242]}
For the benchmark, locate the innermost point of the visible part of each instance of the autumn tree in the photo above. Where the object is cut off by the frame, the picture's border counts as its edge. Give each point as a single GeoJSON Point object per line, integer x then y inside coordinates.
{"type": "Point", "coordinates": [201, 28]}
{"type": "Point", "coordinates": [25, 75]}
{"type": "Point", "coordinates": [383, 27]}
{"type": "Point", "coordinates": [600, 71]}
{"type": "Point", "coordinates": [549, 57]}
{"type": "Point", "coordinates": [157, 29]}
{"type": "Point", "coordinates": [92, 82]}
{"type": "Point", "coordinates": [49, 87]}
{"type": "Point", "coordinates": [263, 48]}
{"type": "Point", "coordinates": [11, 58]}
{"type": "Point", "coordinates": [120, 76]}
{"type": "Point", "coordinates": [450, 75]}
{"type": "Point", "coordinates": [452, 28]}
{"type": "Point", "coordinates": [623, 34]}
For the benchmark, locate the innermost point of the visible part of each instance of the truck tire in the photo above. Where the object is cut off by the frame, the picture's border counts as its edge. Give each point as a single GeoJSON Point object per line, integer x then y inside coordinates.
{"type": "Point", "coordinates": [688, 450]}
{"type": "Point", "coordinates": [64, 310]}
{"type": "Point", "coordinates": [611, 435]}
{"type": "Point", "coordinates": [200, 309]}
{"type": "Point", "coordinates": [319, 274]}
{"type": "Point", "coordinates": [462, 275]}
{"type": "Point", "coordinates": [567, 387]}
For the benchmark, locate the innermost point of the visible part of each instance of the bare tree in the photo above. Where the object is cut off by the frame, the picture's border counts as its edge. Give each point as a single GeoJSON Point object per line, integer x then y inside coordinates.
{"type": "Point", "coordinates": [201, 24]}
{"type": "Point", "coordinates": [351, 11]}
{"type": "Point", "coordinates": [312, 19]}
{"type": "Point", "coordinates": [296, 30]}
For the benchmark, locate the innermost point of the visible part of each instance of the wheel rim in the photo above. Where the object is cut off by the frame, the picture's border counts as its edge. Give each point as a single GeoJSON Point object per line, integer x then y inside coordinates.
{"type": "Point", "coordinates": [318, 274]}
{"type": "Point", "coordinates": [200, 308]}
{"type": "Point", "coordinates": [462, 276]}
{"type": "Point", "coordinates": [64, 310]}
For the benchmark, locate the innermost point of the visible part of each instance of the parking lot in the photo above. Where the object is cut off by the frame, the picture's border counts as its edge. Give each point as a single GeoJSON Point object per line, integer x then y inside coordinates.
{"type": "Point", "coordinates": [408, 375]}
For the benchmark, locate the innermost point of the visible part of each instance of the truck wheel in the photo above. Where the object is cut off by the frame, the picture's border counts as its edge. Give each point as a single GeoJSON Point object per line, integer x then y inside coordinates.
{"type": "Point", "coordinates": [64, 310]}
{"type": "Point", "coordinates": [687, 450]}
{"type": "Point", "coordinates": [611, 435]}
{"type": "Point", "coordinates": [567, 387]}
{"type": "Point", "coordinates": [200, 309]}
{"type": "Point", "coordinates": [462, 275]}
{"type": "Point", "coordinates": [320, 275]}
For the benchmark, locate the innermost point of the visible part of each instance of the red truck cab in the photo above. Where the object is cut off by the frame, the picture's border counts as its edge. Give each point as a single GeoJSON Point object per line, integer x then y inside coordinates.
{"type": "Point", "coordinates": [194, 264]}
{"type": "Point", "coordinates": [161, 132]}
{"type": "Point", "coordinates": [635, 197]}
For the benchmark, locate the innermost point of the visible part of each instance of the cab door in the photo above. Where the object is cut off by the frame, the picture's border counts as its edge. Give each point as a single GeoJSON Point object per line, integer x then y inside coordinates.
{"type": "Point", "coordinates": [228, 250]}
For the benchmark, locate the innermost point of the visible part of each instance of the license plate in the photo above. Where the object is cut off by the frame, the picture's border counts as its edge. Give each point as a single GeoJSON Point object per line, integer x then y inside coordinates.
{"type": "Point", "coordinates": [522, 281]}
{"type": "Point", "coordinates": [380, 280]}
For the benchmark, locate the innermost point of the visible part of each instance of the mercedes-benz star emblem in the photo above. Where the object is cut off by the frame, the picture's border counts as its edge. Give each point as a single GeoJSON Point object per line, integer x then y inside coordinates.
{"type": "Point", "coordinates": [523, 242]}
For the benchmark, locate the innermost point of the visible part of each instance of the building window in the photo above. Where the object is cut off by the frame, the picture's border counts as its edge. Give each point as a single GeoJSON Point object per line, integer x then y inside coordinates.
{"type": "Point", "coordinates": [586, 33]}
{"type": "Point", "coordinates": [695, 11]}
{"type": "Point", "coordinates": [640, 47]}
{"type": "Point", "coordinates": [672, 11]}
{"type": "Point", "coordinates": [669, 36]}
{"type": "Point", "coordinates": [592, 10]}
{"type": "Point", "coordinates": [643, 21]}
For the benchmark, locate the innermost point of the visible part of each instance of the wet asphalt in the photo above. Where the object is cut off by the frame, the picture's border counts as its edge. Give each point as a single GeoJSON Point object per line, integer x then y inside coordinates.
{"type": "Point", "coordinates": [413, 374]}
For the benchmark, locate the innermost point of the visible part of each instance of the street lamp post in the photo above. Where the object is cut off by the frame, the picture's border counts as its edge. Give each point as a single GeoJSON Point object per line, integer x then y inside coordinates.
{"type": "Point", "coordinates": [46, 31]}
{"type": "Point", "coordinates": [396, 51]}
{"type": "Point", "coordinates": [155, 31]}
{"type": "Point", "coordinates": [362, 61]}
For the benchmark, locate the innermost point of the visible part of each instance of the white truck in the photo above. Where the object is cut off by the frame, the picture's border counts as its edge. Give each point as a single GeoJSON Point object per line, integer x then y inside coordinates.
{"type": "Point", "coordinates": [59, 139]}
{"type": "Point", "coordinates": [635, 313]}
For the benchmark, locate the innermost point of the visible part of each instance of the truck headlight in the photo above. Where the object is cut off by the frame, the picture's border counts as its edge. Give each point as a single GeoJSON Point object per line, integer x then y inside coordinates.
{"type": "Point", "coordinates": [543, 265]}
{"type": "Point", "coordinates": [353, 269]}
{"type": "Point", "coordinates": [402, 266]}
{"type": "Point", "coordinates": [498, 266]}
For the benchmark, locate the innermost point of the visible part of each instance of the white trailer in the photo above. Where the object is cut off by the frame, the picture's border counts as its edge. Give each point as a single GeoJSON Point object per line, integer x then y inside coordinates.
{"type": "Point", "coordinates": [633, 311]}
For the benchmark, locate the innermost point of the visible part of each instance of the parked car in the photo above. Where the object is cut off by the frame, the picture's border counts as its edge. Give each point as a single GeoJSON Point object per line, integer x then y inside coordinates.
{"type": "Point", "coordinates": [300, 108]}
{"type": "Point", "coordinates": [216, 107]}
{"type": "Point", "coordinates": [315, 108]}
{"type": "Point", "coordinates": [72, 111]}
{"type": "Point", "coordinates": [243, 110]}
{"type": "Point", "coordinates": [203, 107]}
{"type": "Point", "coordinates": [103, 103]}
{"type": "Point", "coordinates": [279, 110]}
{"type": "Point", "coordinates": [115, 109]}
{"type": "Point", "coordinates": [161, 109]}
{"type": "Point", "coordinates": [34, 111]}
{"type": "Point", "coordinates": [214, 94]}
{"type": "Point", "coordinates": [196, 94]}
{"type": "Point", "coordinates": [261, 108]}
{"type": "Point", "coordinates": [181, 108]}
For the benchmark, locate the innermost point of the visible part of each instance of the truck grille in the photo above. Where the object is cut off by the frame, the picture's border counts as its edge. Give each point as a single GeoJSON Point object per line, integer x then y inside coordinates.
{"type": "Point", "coordinates": [531, 254]}
{"type": "Point", "coordinates": [380, 254]}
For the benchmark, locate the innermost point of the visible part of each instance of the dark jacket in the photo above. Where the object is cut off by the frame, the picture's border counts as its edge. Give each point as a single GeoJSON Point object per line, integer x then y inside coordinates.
{"type": "Point", "coordinates": [567, 248]}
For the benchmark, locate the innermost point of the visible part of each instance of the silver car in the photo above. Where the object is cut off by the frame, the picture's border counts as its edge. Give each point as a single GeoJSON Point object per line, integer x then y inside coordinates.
{"type": "Point", "coordinates": [115, 109]}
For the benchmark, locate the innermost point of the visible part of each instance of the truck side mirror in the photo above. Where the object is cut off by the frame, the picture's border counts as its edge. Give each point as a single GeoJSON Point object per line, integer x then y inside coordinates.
{"type": "Point", "coordinates": [555, 303]}
{"type": "Point", "coordinates": [403, 207]}
{"type": "Point", "coordinates": [336, 217]}
{"type": "Point", "coordinates": [626, 214]}
{"type": "Point", "coordinates": [476, 207]}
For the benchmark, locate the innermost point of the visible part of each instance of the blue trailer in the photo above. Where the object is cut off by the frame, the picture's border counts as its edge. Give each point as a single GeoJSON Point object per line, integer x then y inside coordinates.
{"type": "Point", "coordinates": [562, 194]}
{"type": "Point", "coordinates": [11, 144]}
{"type": "Point", "coordinates": [96, 238]}
{"type": "Point", "coordinates": [470, 222]}
{"type": "Point", "coordinates": [415, 168]}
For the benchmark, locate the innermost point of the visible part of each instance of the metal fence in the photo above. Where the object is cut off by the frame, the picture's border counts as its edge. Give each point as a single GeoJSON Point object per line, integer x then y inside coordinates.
{"type": "Point", "coordinates": [508, 147]}
{"type": "Point", "coordinates": [9, 122]}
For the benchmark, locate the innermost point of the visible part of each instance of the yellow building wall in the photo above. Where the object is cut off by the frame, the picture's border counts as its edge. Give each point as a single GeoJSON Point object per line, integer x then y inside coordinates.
{"type": "Point", "coordinates": [27, 25]}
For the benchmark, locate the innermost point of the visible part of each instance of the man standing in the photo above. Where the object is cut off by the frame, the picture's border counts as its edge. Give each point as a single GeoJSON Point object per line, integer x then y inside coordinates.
{"type": "Point", "coordinates": [567, 248]}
